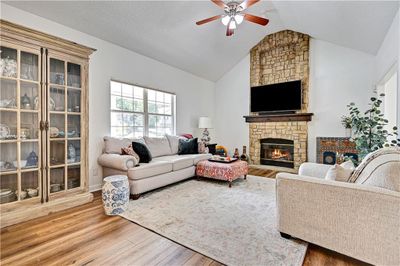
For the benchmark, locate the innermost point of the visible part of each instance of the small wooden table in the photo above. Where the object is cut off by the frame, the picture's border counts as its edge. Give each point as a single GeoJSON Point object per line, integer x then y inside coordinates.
{"type": "Point", "coordinates": [222, 171]}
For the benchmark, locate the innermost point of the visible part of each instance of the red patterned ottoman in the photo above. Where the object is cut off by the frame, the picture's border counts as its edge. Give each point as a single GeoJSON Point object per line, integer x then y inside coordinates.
{"type": "Point", "coordinates": [222, 171]}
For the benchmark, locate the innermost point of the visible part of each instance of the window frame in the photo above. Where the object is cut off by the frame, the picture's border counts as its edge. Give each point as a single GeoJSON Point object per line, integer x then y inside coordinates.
{"type": "Point", "coordinates": [145, 112]}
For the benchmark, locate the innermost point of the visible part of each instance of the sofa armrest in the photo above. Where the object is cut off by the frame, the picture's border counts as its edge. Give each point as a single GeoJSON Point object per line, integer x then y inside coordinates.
{"type": "Point", "coordinates": [353, 219]}
{"type": "Point", "coordinates": [116, 161]}
{"type": "Point", "coordinates": [314, 169]}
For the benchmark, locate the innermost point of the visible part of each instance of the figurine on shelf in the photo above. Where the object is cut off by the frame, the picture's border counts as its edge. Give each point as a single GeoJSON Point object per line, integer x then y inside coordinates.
{"type": "Point", "coordinates": [71, 153]}
{"type": "Point", "coordinates": [32, 159]}
{"type": "Point", "coordinates": [25, 102]}
{"type": "Point", "coordinates": [244, 156]}
{"type": "Point", "coordinates": [236, 153]}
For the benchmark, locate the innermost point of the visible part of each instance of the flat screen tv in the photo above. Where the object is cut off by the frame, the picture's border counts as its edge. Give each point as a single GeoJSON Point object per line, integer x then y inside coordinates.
{"type": "Point", "coordinates": [279, 97]}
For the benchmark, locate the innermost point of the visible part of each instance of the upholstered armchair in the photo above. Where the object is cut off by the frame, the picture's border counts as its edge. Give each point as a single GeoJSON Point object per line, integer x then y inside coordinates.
{"type": "Point", "coordinates": [359, 218]}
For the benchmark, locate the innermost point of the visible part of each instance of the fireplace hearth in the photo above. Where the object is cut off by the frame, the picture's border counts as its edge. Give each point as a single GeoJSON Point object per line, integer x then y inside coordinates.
{"type": "Point", "coordinates": [277, 152]}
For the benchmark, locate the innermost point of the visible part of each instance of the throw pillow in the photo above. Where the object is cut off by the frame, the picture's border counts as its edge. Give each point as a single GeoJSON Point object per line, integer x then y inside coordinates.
{"type": "Point", "coordinates": [129, 151]}
{"type": "Point", "coordinates": [158, 146]}
{"type": "Point", "coordinates": [188, 146]}
{"type": "Point", "coordinates": [188, 136]}
{"type": "Point", "coordinates": [173, 143]}
{"type": "Point", "coordinates": [338, 173]}
{"type": "Point", "coordinates": [348, 165]}
{"type": "Point", "coordinates": [143, 152]}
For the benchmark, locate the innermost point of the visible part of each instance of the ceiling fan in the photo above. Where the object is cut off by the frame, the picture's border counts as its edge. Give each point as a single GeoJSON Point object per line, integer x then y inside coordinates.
{"type": "Point", "coordinates": [234, 15]}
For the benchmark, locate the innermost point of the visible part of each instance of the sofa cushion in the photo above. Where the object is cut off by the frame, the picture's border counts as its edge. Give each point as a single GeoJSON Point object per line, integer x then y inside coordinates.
{"type": "Point", "coordinates": [178, 162]}
{"type": "Point", "coordinates": [158, 146]}
{"type": "Point", "coordinates": [113, 145]}
{"type": "Point", "coordinates": [199, 157]}
{"type": "Point", "coordinates": [153, 168]}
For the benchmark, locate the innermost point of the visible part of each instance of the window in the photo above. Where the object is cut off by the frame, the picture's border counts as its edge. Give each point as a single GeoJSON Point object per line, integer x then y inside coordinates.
{"type": "Point", "coordinates": [388, 86]}
{"type": "Point", "coordinates": [137, 111]}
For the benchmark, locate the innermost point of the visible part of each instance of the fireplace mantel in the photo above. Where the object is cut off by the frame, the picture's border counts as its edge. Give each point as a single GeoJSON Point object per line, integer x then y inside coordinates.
{"type": "Point", "coordinates": [278, 117]}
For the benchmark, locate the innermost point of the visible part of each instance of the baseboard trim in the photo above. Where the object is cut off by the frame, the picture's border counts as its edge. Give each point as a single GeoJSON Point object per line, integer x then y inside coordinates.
{"type": "Point", "coordinates": [96, 187]}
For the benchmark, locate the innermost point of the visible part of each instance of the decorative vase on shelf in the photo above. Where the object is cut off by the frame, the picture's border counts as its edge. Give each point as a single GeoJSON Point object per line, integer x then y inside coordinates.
{"type": "Point", "coordinates": [244, 156]}
{"type": "Point", "coordinates": [236, 153]}
{"type": "Point", "coordinates": [71, 153]}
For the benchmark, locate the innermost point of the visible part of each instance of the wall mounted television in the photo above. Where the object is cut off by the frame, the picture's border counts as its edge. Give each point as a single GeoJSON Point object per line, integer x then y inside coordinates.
{"type": "Point", "coordinates": [279, 97]}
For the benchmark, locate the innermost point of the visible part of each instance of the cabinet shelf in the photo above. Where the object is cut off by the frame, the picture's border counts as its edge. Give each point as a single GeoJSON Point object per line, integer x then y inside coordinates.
{"type": "Point", "coordinates": [29, 81]}
{"type": "Point", "coordinates": [5, 141]}
{"type": "Point", "coordinates": [14, 109]}
{"type": "Point", "coordinates": [29, 140]}
{"type": "Point", "coordinates": [29, 111]}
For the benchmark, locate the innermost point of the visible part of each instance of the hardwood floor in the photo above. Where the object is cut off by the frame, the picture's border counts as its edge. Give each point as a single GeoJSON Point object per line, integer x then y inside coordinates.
{"type": "Point", "coordinates": [85, 236]}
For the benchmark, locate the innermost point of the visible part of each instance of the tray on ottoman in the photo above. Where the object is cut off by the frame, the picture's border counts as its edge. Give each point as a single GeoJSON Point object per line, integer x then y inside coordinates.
{"type": "Point", "coordinates": [222, 171]}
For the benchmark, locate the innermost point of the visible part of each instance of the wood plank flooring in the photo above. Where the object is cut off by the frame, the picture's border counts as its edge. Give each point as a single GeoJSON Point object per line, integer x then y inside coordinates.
{"type": "Point", "coordinates": [85, 236]}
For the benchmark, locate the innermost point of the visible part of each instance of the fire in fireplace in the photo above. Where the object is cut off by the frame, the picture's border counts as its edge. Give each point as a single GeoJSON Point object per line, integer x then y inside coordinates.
{"type": "Point", "coordinates": [277, 152]}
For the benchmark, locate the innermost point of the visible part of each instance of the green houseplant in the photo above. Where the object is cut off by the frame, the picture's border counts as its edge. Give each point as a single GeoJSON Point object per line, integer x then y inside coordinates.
{"type": "Point", "coordinates": [369, 128]}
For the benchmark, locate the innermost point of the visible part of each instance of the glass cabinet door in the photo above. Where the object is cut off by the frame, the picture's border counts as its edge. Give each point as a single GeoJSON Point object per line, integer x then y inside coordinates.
{"type": "Point", "coordinates": [20, 103]}
{"type": "Point", "coordinates": [65, 107]}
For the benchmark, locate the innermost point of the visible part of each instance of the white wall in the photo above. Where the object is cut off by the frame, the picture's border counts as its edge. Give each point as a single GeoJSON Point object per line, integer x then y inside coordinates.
{"type": "Point", "coordinates": [388, 53]}
{"type": "Point", "coordinates": [388, 56]}
{"type": "Point", "coordinates": [195, 96]}
{"type": "Point", "coordinates": [338, 76]}
{"type": "Point", "coordinates": [232, 103]}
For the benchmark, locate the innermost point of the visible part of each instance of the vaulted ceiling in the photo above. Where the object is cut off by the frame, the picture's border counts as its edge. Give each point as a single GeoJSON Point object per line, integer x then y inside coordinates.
{"type": "Point", "coordinates": [166, 30]}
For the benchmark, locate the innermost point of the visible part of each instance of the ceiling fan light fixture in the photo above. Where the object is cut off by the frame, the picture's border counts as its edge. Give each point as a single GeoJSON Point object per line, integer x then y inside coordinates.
{"type": "Point", "coordinates": [239, 18]}
{"type": "Point", "coordinates": [225, 20]}
{"type": "Point", "coordinates": [232, 25]}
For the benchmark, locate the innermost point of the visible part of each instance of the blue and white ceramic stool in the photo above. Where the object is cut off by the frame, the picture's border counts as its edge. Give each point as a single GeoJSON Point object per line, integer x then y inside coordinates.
{"type": "Point", "coordinates": [115, 194]}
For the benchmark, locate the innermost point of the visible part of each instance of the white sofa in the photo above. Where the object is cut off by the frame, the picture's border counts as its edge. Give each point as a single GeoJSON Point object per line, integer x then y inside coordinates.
{"type": "Point", "coordinates": [360, 218]}
{"type": "Point", "coordinates": [166, 167]}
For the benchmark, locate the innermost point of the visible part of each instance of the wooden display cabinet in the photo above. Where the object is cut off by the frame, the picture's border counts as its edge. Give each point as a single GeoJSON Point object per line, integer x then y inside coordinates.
{"type": "Point", "coordinates": [43, 124]}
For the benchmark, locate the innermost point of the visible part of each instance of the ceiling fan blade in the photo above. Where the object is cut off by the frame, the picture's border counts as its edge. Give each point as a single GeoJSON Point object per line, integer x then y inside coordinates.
{"type": "Point", "coordinates": [248, 3]}
{"type": "Point", "coordinates": [256, 19]}
{"type": "Point", "coordinates": [201, 22]}
{"type": "Point", "coordinates": [219, 3]}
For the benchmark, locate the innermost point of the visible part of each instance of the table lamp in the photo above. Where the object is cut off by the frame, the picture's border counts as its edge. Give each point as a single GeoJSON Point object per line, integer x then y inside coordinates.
{"type": "Point", "coordinates": [205, 122]}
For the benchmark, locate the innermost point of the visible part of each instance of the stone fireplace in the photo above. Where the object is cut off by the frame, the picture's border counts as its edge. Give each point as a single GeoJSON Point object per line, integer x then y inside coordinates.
{"type": "Point", "coordinates": [280, 57]}
{"type": "Point", "coordinates": [295, 132]}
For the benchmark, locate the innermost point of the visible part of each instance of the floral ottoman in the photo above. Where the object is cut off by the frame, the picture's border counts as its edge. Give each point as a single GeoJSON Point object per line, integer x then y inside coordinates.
{"type": "Point", "coordinates": [222, 171]}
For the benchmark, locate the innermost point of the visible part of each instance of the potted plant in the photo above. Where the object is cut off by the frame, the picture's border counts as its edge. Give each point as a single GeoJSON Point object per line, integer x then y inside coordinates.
{"type": "Point", "coordinates": [346, 122]}
{"type": "Point", "coordinates": [369, 128]}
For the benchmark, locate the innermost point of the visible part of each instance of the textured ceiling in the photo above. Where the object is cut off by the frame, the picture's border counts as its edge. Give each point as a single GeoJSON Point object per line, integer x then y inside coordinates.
{"type": "Point", "coordinates": [166, 30]}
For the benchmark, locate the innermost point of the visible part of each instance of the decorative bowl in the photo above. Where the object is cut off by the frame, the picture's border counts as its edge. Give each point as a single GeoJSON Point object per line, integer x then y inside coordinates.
{"type": "Point", "coordinates": [5, 191]}
{"type": "Point", "coordinates": [32, 192]}
{"type": "Point", "coordinates": [54, 132]}
{"type": "Point", "coordinates": [55, 187]}
{"type": "Point", "coordinates": [23, 163]}
{"type": "Point", "coordinates": [23, 194]}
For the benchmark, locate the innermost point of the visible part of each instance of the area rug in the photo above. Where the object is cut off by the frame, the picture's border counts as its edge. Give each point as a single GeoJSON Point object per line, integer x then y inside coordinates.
{"type": "Point", "coordinates": [235, 226]}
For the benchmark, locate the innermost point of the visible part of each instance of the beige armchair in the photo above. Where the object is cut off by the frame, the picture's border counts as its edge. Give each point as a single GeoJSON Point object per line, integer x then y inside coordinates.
{"type": "Point", "coordinates": [355, 219]}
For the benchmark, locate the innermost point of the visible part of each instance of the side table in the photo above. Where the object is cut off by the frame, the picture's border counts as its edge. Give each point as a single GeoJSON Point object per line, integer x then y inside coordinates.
{"type": "Point", "coordinates": [115, 194]}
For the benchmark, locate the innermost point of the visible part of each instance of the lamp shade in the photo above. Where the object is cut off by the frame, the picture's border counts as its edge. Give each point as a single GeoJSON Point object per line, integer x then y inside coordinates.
{"type": "Point", "coordinates": [205, 122]}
